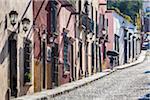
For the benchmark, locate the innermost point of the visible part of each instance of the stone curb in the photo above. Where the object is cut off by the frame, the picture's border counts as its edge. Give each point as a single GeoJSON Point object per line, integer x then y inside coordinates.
{"type": "Point", "coordinates": [140, 59]}
{"type": "Point", "coordinates": [47, 94]}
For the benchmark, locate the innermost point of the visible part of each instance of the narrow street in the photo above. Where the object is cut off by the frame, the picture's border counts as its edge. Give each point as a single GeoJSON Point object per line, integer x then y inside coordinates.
{"type": "Point", "coordinates": [126, 84]}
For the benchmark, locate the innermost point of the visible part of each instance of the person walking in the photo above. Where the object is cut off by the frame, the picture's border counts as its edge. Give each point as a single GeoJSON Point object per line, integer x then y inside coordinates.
{"type": "Point", "coordinates": [111, 62]}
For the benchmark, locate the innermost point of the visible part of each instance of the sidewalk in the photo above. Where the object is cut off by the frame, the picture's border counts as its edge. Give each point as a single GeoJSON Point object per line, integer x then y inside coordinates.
{"type": "Point", "coordinates": [44, 95]}
{"type": "Point", "coordinates": [138, 61]}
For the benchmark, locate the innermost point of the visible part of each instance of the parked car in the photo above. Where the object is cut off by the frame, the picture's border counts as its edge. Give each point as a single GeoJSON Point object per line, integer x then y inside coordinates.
{"type": "Point", "coordinates": [145, 45]}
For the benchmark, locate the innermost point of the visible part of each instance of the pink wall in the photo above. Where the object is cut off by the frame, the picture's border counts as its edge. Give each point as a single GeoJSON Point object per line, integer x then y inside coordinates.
{"type": "Point", "coordinates": [110, 31]}
{"type": "Point", "coordinates": [109, 45]}
{"type": "Point", "coordinates": [63, 20]}
{"type": "Point", "coordinates": [41, 23]}
{"type": "Point", "coordinates": [102, 7]}
{"type": "Point", "coordinates": [43, 20]}
{"type": "Point", "coordinates": [102, 10]}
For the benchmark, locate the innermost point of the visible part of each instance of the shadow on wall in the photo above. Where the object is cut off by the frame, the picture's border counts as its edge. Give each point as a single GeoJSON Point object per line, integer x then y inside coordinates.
{"type": "Point", "coordinates": [7, 95]}
{"type": "Point", "coordinates": [3, 53]}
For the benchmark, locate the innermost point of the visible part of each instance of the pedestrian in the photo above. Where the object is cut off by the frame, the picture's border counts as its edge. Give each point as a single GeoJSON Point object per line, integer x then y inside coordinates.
{"type": "Point", "coordinates": [111, 62]}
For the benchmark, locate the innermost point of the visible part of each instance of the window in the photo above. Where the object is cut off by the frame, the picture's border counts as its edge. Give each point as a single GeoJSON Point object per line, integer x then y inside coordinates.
{"type": "Point", "coordinates": [117, 48]}
{"type": "Point", "coordinates": [125, 46]}
{"type": "Point", "coordinates": [53, 16]}
{"type": "Point", "coordinates": [86, 7]}
{"type": "Point", "coordinates": [54, 69]}
{"type": "Point", "coordinates": [100, 59]}
{"type": "Point", "coordinates": [87, 58]}
{"type": "Point", "coordinates": [72, 64]}
{"type": "Point", "coordinates": [66, 66]}
{"type": "Point", "coordinates": [79, 5]}
{"type": "Point", "coordinates": [106, 24]}
{"type": "Point", "coordinates": [44, 62]}
{"type": "Point", "coordinates": [27, 60]}
{"type": "Point", "coordinates": [102, 22]}
{"type": "Point", "coordinates": [96, 25]}
{"type": "Point", "coordinates": [92, 11]}
{"type": "Point", "coordinates": [130, 44]}
{"type": "Point", "coordinates": [80, 57]}
{"type": "Point", "coordinates": [96, 58]}
{"type": "Point", "coordinates": [104, 51]}
{"type": "Point", "coordinates": [92, 49]}
{"type": "Point", "coordinates": [117, 43]}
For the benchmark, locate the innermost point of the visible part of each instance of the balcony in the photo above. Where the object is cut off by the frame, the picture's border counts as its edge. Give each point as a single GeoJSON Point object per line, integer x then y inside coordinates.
{"type": "Point", "coordinates": [87, 23]}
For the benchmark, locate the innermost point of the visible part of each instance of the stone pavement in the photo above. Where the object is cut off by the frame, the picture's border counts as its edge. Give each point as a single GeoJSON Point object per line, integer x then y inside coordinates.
{"type": "Point", "coordinates": [47, 94]}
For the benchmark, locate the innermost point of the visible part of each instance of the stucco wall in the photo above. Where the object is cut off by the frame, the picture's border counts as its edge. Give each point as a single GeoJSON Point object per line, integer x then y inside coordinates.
{"type": "Point", "coordinates": [65, 18]}
{"type": "Point", "coordinates": [5, 7]}
{"type": "Point", "coordinates": [118, 30]}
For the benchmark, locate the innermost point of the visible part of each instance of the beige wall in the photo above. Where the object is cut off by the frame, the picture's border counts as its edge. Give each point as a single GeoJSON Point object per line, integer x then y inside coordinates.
{"type": "Point", "coordinates": [81, 37]}
{"type": "Point", "coordinates": [5, 7]}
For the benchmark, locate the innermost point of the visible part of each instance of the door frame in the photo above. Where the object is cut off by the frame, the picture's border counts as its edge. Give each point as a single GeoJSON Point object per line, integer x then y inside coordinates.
{"type": "Point", "coordinates": [13, 38]}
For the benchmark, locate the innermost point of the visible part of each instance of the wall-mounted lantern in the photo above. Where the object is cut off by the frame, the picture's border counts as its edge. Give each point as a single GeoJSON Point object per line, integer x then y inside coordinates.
{"type": "Point", "coordinates": [101, 39]}
{"type": "Point", "coordinates": [123, 24]}
{"type": "Point", "coordinates": [13, 15]}
{"type": "Point", "coordinates": [86, 6]}
{"type": "Point", "coordinates": [104, 32]}
{"type": "Point", "coordinates": [44, 35]}
{"type": "Point", "coordinates": [90, 35]}
{"type": "Point", "coordinates": [25, 23]}
{"type": "Point", "coordinates": [52, 38]}
{"type": "Point", "coordinates": [97, 41]}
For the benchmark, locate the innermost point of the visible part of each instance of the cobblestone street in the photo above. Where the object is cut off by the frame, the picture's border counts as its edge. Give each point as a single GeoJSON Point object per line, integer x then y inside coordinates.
{"type": "Point", "coordinates": [126, 84]}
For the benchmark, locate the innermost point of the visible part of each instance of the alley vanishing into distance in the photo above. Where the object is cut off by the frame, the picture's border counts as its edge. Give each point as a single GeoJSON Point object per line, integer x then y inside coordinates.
{"type": "Point", "coordinates": [126, 84]}
{"type": "Point", "coordinates": [74, 49]}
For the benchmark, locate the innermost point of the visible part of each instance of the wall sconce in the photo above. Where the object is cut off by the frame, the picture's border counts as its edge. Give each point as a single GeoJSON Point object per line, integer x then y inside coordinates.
{"type": "Point", "coordinates": [13, 15]}
{"type": "Point", "coordinates": [52, 38]}
{"type": "Point", "coordinates": [44, 35]}
{"type": "Point", "coordinates": [25, 23]}
{"type": "Point", "coordinates": [97, 41]}
{"type": "Point", "coordinates": [86, 5]}
{"type": "Point", "coordinates": [65, 31]}
{"type": "Point", "coordinates": [90, 35]}
{"type": "Point", "coordinates": [101, 39]}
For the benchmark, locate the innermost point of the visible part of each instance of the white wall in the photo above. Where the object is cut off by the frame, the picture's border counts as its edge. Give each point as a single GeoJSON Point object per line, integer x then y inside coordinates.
{"type": "Point", "coordinates": [5, 7]}
{"type": "Point", "coordinates": [118, 30]}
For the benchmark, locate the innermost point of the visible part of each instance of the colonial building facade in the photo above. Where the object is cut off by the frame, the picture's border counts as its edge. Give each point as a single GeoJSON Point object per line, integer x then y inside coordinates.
{"type": "Point", "coordinates": [54, 43]}
{"type": "Point", "coordinates": [123, 38]}
{"type": "Point", "coordinates": [16, 48]}
{"type": "Point", "coordinates": [47, 43]}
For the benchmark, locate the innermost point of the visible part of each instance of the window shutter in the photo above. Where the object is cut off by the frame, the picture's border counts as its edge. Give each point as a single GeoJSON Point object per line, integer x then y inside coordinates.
{"type": "Point", "coordinates": [27, 60]}
{"type": "Point", "coordinates": [103, 22]}
{"type": "Point", "coordinates": [66, 66]}
{"type": "Point", "coordinates": [53, 16]}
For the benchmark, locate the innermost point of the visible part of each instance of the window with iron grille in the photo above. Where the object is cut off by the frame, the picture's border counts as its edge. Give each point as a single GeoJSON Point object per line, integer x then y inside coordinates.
{"type": "Point", "coordinates": [66, 66]}
{"type": "Point", "coordinates": [53, 16]}
{"type": "Point", "coordinates": [96, 24]}
{"type": "Point", "coordinates": [102, 22]}
{"type": "Point", "coordinates": [106, 24]}
{"type": "Point", "coordinates": [116, 43]}
{"type": "Point", "coordinates": [92, 49]}
{"type": "Point", "coordinates": [27, 60]}
{"type": "Point", "coordinates": [79, 5]}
